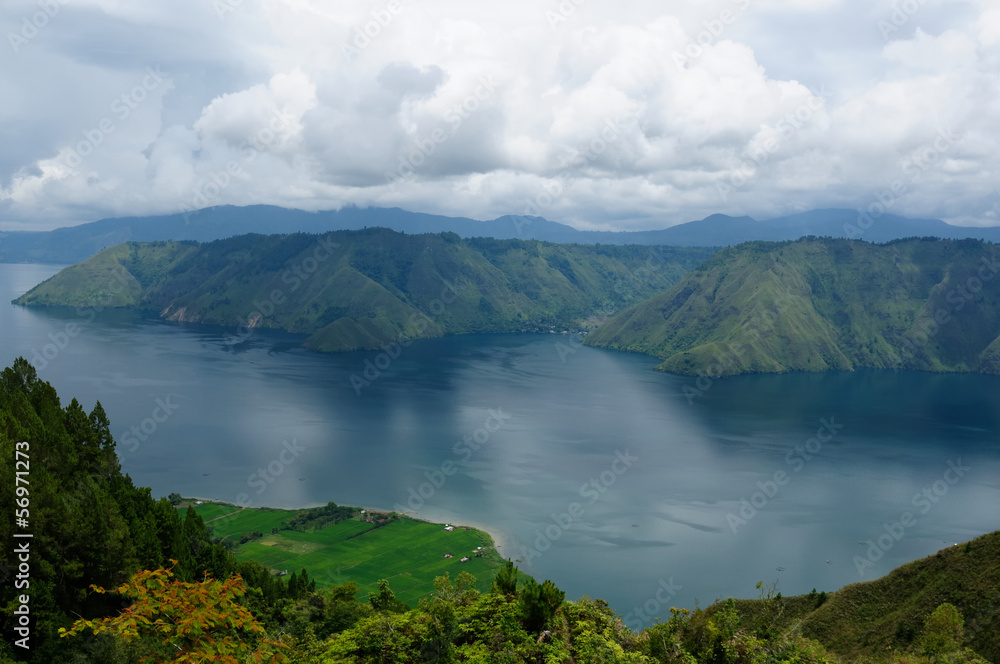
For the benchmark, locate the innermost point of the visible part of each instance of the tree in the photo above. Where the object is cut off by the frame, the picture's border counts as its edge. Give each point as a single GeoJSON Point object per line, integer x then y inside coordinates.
{"type": "Point", "coordinates": [664, 639]}
{"type": "Point", "coordinates": [539, 603]}
{"type": "Point", "coordinates": [773, 609]}
{"type": "Point", "coordinates": [305, 584]}
{"type": "Point", "coordinates": [174, 498]}
{"type": "Point", "coordinates": [942, 631]}
{"type": "Point", "coordinates": [198, 622]}
{"type": "Point", "coordinates": [385, 601]}
{"type": "Point", "coordinates": [505, 582]}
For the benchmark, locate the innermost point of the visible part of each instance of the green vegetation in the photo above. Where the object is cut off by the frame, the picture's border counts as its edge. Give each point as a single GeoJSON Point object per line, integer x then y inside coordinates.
{"type": "Point", "coordinates": [943, 631]}
{"type": "Point", "coordinates": [363, 548]}
{"type": "Point", "coordinates": [194, 622]}
{"type": "Point", "coordinates": [365, 289]}
{"type": "Point", "coordinates": [894, 614]}
{"type": "Point", "coordinates": [230, 523]}
{"type": "Point", "coordinates": [530, 623]}
{"type": "Point", "coordinates": [821, 304]}
{"type": "Point", "coordinates": [90, 524]}
{"type": "Point", "coordinates": [117, 577]}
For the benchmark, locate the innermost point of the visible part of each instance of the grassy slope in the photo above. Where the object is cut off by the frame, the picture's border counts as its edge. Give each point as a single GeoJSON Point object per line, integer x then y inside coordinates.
{"type": "Point", "coordinates": [816, 305]}
{"type": "Point", "coordinates": [407, 552]}
{"type": "Point", "coordinates": [870, 617]}
{"type": "Point", "coordinates": [115, 277]}
{"type": "Point", "coordinates": [374, 286]}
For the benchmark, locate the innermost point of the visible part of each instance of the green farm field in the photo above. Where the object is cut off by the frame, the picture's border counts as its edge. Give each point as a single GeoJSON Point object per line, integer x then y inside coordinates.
{"type": "Point", "coordinates": [407, 552]}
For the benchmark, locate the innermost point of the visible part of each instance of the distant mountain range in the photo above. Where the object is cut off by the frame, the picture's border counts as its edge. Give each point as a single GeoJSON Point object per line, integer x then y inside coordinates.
{"type": "Point", "coordinates": [369, 288]}
{"type": "Point", "coordinates": [821, 304]}
{"type": "Point", "coordinates": [76, 243]}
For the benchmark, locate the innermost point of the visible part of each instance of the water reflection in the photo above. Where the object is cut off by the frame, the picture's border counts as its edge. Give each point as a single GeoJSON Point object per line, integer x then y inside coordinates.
{"type": "Point", "coordinates": [662, 520]}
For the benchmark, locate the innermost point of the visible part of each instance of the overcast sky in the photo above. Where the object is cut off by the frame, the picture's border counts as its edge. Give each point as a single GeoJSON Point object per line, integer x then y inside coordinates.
{"type": "Point", "coordinates": [628, 114]}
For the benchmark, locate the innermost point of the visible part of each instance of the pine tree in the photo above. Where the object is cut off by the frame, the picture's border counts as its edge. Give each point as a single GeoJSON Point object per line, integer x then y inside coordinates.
{"type": "Point", "coordinates": [505, 582]}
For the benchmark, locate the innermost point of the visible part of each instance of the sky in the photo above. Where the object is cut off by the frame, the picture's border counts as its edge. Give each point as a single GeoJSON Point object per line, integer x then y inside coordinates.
{"type": "Point", "coordinates": [626, 115]}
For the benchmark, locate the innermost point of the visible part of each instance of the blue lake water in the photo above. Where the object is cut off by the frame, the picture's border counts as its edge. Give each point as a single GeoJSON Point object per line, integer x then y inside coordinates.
{"type": "Point", "coordinates": [593, 469]}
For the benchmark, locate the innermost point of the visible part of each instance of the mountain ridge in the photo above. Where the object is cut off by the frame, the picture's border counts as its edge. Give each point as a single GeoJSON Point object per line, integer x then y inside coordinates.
{"type": "Point", "coordinates": [365, 289]}
{"type": "Point", "coordinates": [76, 243]}
{"type": "Point", "coordinates": [823, 304]}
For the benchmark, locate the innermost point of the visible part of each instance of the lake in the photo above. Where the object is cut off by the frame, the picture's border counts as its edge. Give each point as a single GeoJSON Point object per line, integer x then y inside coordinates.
{"type": "Point", "coordinates": [609, 478]}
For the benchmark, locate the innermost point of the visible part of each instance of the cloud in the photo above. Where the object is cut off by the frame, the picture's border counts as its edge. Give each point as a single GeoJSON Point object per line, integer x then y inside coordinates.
{"type": "Point", "coordinates": [632, 115]}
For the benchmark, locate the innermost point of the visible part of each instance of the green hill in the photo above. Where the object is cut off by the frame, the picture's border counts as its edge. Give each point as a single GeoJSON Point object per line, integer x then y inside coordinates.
{"type": "Point", "coordinates": [888, 614]}
{"type": "Point", "coordinates": [821, 304]}
{"type": "Point", "coordinates": [364, 289]}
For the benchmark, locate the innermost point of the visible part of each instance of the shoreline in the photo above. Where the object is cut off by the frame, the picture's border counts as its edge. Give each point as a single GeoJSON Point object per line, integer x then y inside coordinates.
{"type": "Point", "coordinates": [500, 542]}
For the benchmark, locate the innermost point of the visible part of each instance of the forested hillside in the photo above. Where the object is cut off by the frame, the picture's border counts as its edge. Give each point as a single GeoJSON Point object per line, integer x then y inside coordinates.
{"type": "Point", "coordinates": [821, 304]}
{"type": "Point", "coordinates": [365, 289]}
{"type": "Point", "coordinates": [89, 524]}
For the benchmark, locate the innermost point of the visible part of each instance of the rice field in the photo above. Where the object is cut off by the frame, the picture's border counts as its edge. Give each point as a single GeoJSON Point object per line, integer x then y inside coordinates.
{"type": "Point", "coordinates": [409, 553]}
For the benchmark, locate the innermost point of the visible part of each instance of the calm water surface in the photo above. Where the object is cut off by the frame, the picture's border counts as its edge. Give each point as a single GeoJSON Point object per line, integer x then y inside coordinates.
{"type": "Point", "coordinates": [593, 469]}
